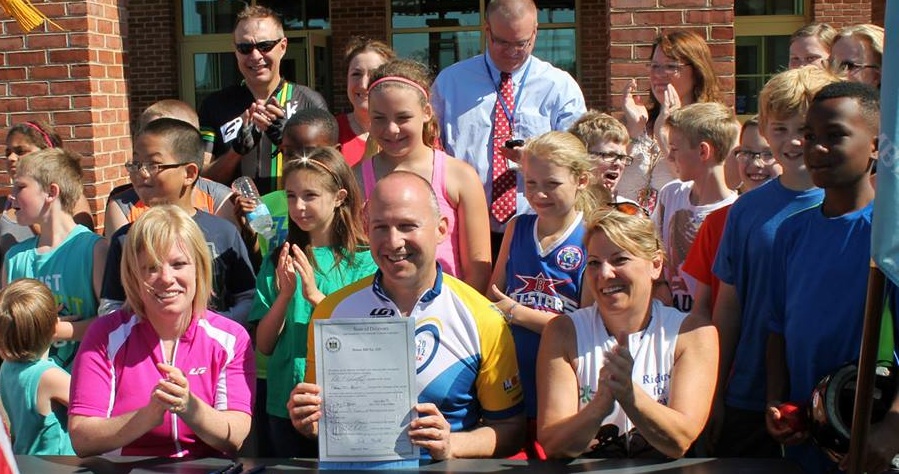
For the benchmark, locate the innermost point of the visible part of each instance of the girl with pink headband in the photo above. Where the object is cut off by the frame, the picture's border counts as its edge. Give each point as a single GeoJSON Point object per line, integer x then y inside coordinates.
{"type": "Point", "coordinates": [404, 126]}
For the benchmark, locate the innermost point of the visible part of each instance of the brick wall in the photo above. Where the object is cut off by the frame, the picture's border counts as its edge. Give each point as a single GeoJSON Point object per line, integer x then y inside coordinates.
{"type": "Point", "coordinates": [634, 24]}
{"type": "Point", "coordinates": [75, 80]}
{"type": "Point", "coordinates": [152, 68]}
{"type": "Point", "coordinates": [352, 18]}
{"type": "Point", "coordinates": [594, 52]}
{"type": "Point", "coordinates": [840, 13]}
{"type": "Point", "coordinates": [878, 11]}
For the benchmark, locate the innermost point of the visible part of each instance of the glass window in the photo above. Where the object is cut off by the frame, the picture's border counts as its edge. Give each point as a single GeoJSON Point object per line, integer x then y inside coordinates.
{"type": "Point", "coordinates": [202, 17]}
{"type": "Point", "coordinates": [558, 46]}
{"type": "Point", "coordinates": [769, 7]}
{"type": "Point", "coordinates": [428, 13]}
{"type": "Point", "coordinates": [440, 33]}
{"type": "Point", "coordinates": [438, 50]}
{"type": "Point", "coordinates": [759, 57]}
{"type": "Point", "coordinates": [212, 72]}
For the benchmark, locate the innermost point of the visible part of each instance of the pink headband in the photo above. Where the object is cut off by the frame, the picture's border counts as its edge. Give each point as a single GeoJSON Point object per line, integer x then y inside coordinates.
{"type": "Point", "coordinates": [409, 82]}
{"type": "Point", "coordinates": [42, 132]}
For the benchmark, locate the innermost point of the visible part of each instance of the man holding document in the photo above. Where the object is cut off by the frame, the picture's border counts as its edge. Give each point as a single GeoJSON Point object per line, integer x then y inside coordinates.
{"type": "Point", "coordinates": [469, 396]}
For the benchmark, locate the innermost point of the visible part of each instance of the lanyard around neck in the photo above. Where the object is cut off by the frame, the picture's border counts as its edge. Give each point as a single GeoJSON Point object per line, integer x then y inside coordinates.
{"type": "Point", "coordinates": [510, 115]}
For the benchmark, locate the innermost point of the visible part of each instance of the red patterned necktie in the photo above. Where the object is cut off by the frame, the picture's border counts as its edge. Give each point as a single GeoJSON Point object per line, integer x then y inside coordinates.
{"type": "Point", "coordinates": [502, 199]}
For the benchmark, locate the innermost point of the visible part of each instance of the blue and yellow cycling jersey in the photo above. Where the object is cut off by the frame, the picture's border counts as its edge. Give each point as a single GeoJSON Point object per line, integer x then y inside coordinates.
{"type": "Point", "coordinates": [464, 355]}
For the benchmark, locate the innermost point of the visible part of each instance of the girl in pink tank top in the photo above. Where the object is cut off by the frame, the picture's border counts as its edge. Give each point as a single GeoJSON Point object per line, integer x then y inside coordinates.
{"type": "Point", "coordinates": [404, 126]}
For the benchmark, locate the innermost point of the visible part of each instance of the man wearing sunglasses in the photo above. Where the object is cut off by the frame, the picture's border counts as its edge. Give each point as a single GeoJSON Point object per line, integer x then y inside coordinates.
{"type": "Point", "coordinates": [487, 104]}
{"type": "Point", "coordinates": [242, 123]}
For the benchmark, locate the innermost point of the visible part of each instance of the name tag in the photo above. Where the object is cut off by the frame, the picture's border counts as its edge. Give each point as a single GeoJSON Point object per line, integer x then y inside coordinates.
{"type": "Point", "coordinates": [230, 129]}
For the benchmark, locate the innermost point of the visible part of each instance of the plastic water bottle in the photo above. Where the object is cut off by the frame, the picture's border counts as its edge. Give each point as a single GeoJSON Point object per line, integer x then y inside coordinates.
{"type": "Point", "coordinates": [260, 220]}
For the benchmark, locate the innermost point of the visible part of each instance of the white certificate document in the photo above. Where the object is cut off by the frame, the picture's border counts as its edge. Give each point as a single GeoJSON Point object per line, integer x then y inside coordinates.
{"type": "Point", "coordinates": [366, 370]}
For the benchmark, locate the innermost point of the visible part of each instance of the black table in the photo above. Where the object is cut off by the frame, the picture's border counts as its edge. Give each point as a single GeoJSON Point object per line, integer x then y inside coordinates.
{"type": "Point", "coordinates": [137, 465]}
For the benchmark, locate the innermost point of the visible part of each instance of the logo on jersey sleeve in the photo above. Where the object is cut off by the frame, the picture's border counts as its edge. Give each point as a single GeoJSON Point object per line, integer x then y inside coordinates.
{"type": "Point", "coordinates": [229, 129]}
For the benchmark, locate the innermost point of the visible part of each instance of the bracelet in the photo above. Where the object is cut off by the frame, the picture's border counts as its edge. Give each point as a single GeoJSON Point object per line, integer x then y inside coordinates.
{"type": "Point", "coordinates": [509, 315]}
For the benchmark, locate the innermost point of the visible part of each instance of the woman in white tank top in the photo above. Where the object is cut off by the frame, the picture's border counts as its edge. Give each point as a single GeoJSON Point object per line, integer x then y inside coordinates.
{"type": "Point", "coordinates": [627, 376]}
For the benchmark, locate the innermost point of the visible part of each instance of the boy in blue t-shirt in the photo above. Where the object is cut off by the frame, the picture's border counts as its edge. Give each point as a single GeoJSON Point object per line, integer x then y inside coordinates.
{"type": "Point", "coordinates": [743, 266]}
{"type": "Point", "coordinates": [819, 277]}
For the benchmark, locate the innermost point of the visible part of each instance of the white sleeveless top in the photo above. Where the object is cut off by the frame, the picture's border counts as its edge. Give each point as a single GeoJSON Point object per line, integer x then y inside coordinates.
{"type": "Point", "coordinates": [652, 350]}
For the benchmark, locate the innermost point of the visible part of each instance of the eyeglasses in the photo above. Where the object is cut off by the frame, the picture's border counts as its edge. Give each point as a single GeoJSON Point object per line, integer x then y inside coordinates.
{"type": "Point", "coordinates": [511, 45]}
{"type": "Point", "coordinates": [668, 69]}
{"type": "Point", "coordinates": [262, 46]}
{"type": "Point", "coordinates": [629, 208]}
{"type": "Point", "coordinates": [851, 67]}
{"type": "Point", "coordinates": [151, 169]}
{"type": "Point", "coordinates": [611, 157]}
{"type": "Point", "coordinates": [748, 156]}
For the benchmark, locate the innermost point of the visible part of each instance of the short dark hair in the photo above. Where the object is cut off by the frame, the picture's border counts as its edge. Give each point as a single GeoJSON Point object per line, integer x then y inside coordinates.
{"type": "Point", "coordinates": [259, 11]}
{"type": "Point", "coordinates": [185, 141]}
{"type": "Point", "coordinates": [867, 96]}
{"type": "Point", "coordinates": [314, 116]}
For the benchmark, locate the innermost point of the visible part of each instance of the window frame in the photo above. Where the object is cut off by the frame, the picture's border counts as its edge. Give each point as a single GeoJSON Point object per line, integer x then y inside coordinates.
{"type": "Point", "coordinates": [768, 25]}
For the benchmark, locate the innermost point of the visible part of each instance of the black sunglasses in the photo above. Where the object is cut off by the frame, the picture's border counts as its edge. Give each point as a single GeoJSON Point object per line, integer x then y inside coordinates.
{"type": "Point", "coordinates": [262, 46]}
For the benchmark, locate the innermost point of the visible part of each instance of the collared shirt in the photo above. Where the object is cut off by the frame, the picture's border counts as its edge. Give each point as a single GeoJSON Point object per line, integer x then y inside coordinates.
{"type": "Point", "coordinates": [464, 99]}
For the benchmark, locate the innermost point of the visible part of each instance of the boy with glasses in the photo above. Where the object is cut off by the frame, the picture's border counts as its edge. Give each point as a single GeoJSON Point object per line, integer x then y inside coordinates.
{"type": "Point", "coordinates": [168, 154]}
{"type": "Point", "coordinates": [243, 123]}
{"type": "Point", "coordinates": [606, 139]}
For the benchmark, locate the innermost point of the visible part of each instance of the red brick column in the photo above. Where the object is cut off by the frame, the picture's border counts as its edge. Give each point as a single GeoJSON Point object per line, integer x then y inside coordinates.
{"type": "Point", "coordinates": [878, 11]}
{"type": "Point", "coordinates": [353, 18]}
{"type": "Point", "coordinates": [73, 79]}
{"type": "Point", "coordinates": [636, 23]}
{"type": "Point", "coordinates": [151, 66]}
{"type": "Point", "coordinates": [594, 51]}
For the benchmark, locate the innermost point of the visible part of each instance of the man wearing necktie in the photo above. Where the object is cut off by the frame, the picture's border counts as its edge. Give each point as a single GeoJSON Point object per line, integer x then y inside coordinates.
{"type": "Point", "coordinates": [506, 94]}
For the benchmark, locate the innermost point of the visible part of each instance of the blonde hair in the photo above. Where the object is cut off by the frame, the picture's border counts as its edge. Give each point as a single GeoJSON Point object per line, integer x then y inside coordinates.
{"type": "Point", "coordinates": [872, 34]}
{"type": "Point", "coordinates": [568, 151]}
{"type": "Point", "coordinates": [27, 320]}
{"type": "Point", "coordinates": [709, 122]}
{"type": "Point", "coordinates": [823, 32]}
{"type": "Point", "coordinates": [149, 241]}
{"type": "Point", "coordinates": [635, 234]}
{"type": "Point", "coordinates": [594, 127]}
{"type": "Point", "coordinates": [419, 74]}
{"type": "Point", "coordinates": [790, 93]}
{"type": "Point", "coordinates": [55, 166]}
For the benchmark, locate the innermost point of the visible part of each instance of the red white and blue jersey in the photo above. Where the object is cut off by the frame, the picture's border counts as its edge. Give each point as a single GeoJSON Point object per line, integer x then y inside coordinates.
{"type": "Point", "coordinates": [115, 373]}
{"type": "Point", "coordinates": [464, 355]}
{"type": "Point", "coordinates": [545, 279]}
